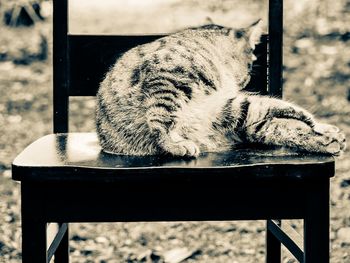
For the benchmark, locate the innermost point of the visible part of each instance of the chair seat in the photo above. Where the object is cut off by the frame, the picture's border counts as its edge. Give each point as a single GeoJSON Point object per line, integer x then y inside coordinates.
{"type": "Point", "coordinates": [78, 156]}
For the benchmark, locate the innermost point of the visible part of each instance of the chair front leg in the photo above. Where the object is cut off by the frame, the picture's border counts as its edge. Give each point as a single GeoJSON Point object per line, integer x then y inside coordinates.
{"type": "Point", "coordinates": [33, 227]}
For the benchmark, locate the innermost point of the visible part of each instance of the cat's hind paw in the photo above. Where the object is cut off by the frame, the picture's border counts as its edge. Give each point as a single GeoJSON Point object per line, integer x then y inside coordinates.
{"type": "Point", "coordinates": [183, 148]}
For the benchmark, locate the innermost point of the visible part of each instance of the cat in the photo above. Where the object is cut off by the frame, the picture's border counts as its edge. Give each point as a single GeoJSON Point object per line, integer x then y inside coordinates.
{"type": "Point", "coordinates": [183, 94]}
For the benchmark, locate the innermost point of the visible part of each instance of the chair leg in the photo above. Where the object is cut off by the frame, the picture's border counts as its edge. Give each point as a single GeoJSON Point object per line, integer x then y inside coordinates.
{"type": "Point", "coordinates": [33, 239]}
{"type": "Point", "coordinates": [62, 251]}
{"type": "Point", "coordinates": [316, 225]}
{"type": "Point", "coordinates": [34, 236]}
{"type": "Point", "coordinates": [273, 248]}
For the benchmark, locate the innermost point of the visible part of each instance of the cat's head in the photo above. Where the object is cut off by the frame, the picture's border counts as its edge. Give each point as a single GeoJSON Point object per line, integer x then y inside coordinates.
{"type": "Point", "coordinates": [236, 45]}
{"type": "Point", "coordinates": [247, 38]}
{"type": "Point", "coordinates": [244, 43]}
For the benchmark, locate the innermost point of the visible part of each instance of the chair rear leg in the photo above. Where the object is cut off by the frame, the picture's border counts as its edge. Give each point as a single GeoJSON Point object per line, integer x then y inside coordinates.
{"type": "Point", "coordinates": [62, 251]}
{"type": "Point", "coordinates": [273, 247]}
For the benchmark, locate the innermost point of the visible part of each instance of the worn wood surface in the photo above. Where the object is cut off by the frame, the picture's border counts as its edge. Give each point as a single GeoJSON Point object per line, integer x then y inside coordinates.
{"type": "Point", "coordinates": [78, 156]}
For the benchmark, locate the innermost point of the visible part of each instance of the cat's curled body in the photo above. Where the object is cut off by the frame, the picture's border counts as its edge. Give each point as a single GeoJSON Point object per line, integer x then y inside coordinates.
{"type": "Point", "coordinates": [182, 95]}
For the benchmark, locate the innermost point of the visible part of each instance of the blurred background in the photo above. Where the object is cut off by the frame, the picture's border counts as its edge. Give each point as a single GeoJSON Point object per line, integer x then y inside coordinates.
{"type": "Point", "coordinates": [316, 76]}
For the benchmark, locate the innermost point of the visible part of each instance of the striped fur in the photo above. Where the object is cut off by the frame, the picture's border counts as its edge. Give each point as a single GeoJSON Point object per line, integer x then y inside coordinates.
{"type": "Point", "coordinates": [182, 95]}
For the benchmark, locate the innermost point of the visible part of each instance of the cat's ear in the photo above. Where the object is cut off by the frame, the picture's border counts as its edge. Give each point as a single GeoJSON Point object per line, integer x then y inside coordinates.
{"type": "Point", "coordinates": [254, 32]}
{"type": "Point", "coordinates": [209, 20]}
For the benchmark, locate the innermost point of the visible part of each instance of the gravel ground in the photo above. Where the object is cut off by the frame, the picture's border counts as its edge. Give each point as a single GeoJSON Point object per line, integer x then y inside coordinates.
{"type": "Point", "coordinates": [317, 69]}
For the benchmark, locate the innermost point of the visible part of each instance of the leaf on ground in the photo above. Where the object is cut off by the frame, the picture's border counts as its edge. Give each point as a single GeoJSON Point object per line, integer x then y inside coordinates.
{"type": "Point", "coordinates": [178, 255]}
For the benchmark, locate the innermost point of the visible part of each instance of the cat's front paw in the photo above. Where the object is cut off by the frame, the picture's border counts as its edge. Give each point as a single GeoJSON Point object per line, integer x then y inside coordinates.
{"type": "Point", "coordinates": [331, 139]}
{"type": "Point", "coordinates": [183, 148]}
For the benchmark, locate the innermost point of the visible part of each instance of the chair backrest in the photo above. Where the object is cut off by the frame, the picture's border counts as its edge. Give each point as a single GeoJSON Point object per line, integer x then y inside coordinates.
{"type": "Point", "coordinates": [80, 61]}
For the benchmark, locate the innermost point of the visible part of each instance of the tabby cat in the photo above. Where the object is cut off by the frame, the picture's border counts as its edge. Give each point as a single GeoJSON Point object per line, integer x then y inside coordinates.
{"type": "Point", "coordinates": [183, 94]}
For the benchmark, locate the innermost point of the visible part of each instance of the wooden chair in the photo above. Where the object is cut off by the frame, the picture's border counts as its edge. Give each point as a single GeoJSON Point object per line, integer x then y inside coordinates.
{"type": "Point", "coordinates": [66, 178]}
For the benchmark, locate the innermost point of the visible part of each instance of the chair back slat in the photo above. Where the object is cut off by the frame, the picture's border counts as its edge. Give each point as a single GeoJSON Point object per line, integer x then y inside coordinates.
{"type": "Point", "coordinates": [90, 57]}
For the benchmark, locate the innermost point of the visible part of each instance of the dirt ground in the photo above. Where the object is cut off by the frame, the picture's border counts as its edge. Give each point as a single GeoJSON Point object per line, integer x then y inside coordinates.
{"type": "Point", "coordinates": [316, 76]}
